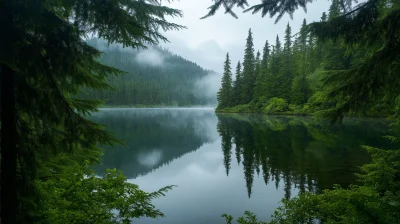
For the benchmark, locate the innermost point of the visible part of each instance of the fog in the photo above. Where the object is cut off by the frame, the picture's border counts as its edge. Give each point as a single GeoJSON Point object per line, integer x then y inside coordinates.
{"type": "Point", "coordinates": [208, 87]}
{"type": "Point", "coordinates": [150, 56]}
{"type": "Point", "coordinates": [205, 88]}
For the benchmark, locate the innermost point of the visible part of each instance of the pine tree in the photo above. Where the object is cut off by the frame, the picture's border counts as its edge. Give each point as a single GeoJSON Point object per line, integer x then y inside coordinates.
{"type": "Point", "coordinates": [44, 63]}
{"type": "Point", "coordinates": [300, 90]}
{"type": "Point", "coordinates": [238, 85]}
{"type": "Point", "coordinates": [286, 70]}
{"type": "Point", "coordinates": [249, 76]}
{"type": "Point", "coordinates": [224, 95]}
{"type": "Point", "coordinates": [258, 81]}
{"type": "Point", "coordinates": [265, 57]}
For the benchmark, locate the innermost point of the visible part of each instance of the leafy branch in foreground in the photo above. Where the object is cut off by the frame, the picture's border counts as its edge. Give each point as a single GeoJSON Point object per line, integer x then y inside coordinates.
{"type": "Point", "coordinates": [83, 197]}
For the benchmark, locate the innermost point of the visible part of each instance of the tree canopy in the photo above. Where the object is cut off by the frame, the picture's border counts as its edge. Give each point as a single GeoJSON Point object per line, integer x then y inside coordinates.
{"type": "Point", "coordinates": [349, 63]}
{"type": "Point", "coordinates": [44, 64]}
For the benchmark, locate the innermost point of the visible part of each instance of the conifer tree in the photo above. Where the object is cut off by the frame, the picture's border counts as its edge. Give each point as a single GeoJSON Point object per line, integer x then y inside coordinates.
{"type": "Point", "coordinates": [300, 90]}
{"type": "Point", "coordinates": [271, 77]}
{"type": "Point", "coordinates": [249, 76]}
{"type": "Point", "coordinates": [224, 95]}
{"type": "Point", "coordinates": [238, 85]}
{"type": "Point", "coordinates": [258, 81]}
{"type": "Point", "coordinates": [265, 57]}
{"type": "Point", "coordinates": [286, 70]}
{"type": "Point", "coordinates": [44, 63]}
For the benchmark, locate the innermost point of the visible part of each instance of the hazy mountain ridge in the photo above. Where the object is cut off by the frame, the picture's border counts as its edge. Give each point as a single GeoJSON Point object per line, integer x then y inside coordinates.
{"type": "Point", "coordinates": [155, 76]}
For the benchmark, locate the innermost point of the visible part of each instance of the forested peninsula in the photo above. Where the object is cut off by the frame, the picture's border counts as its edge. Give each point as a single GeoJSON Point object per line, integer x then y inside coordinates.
{"type": "Point", "coordinates": [291, 75]}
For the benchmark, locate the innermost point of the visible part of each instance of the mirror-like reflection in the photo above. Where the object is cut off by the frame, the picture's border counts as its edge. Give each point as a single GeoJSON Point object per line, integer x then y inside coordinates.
{"type": "Point", "coordinates": [306, 153]}
{"type": "Point", "coordinates": [154, 137]}
{"type": "Point", "coordinates": [232, 163]}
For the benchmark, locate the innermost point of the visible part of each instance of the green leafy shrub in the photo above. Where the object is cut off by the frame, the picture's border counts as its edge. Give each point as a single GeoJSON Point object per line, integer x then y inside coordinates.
{"type": "Point", "coordinates": [83, 197]}
{"type": "Point", "coordinates": [242, 108]}
{"type": "Point", "coordinates": [276, 105]}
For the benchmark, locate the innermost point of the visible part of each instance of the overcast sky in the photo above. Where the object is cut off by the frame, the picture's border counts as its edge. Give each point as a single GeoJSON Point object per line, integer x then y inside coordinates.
{"type": "Point", "coordinates": [207, 41]}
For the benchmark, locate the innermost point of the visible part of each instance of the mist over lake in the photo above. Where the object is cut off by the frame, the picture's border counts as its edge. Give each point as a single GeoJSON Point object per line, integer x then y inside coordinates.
{"type": "Point", "coordinates": [233, 163]}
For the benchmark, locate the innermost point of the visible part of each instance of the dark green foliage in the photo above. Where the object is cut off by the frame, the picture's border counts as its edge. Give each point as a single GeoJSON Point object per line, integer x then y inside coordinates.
{"type": "Point", "coordinates": [44, 64]}
{"type": "Point", "coordinates": [300, 90]}
{"type": "Point", "coordinates": [153, 77]}
{"type": "Point", "coordinates": [224, 95]}
{"type": "Point", "coordinates": [249, 76]}
{"type": "Point", "coordinates": [359, 48]}
{"type": "Point", "coordinates": [306, 71]}
{"type": "Point", "coordinates": [238, 85]}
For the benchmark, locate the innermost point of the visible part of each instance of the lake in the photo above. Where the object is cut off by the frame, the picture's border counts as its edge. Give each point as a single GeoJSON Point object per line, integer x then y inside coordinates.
{"type": "Point", "coordinates": [233, 163]}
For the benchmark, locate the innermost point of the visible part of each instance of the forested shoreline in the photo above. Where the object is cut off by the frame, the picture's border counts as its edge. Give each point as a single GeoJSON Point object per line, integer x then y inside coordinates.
{"type": "Point", "coordinates": [346, 64]}
{"type": "Point", "coordinates": [153, 77]}
{"type": "Point", "coordinates": [288, 77]}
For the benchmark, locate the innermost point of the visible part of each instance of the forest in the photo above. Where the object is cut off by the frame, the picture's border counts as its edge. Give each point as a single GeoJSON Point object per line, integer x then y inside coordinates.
{"type": "Point", "coordinates": [288, 76]}
{"type": "Point", "coordinates": [153, 77]}
{"type": "Point", "coordinates": [345, 64]}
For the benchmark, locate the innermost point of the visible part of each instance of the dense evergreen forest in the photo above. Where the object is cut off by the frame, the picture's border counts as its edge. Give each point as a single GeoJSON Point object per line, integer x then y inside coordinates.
{"type": "Point", "coordinates": [154, 76]}
{"type": "Point", "coordinates": [48, 143]}
{"type": "Point", "coordinates": [346, 63]}
{"type": "Point", "coordinates": [287, 77]}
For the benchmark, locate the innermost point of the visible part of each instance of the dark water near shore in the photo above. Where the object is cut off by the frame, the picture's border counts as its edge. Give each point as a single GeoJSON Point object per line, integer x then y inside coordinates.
{"type": "Point", "coordinates": [232, 163]}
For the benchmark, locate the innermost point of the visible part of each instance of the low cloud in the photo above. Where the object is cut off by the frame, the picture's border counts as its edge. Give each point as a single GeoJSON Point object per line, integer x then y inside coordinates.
{"type": "Point", "coordinates": [150, 56]}
{"type": "Point", "coordinates": [208, 87]}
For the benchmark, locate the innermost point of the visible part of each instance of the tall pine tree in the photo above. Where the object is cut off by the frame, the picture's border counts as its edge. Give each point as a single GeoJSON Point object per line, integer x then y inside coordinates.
{"type": "Point", "coordinates": [224, 95]}
{"type": "Point", "coordinates": [238, 85]}
{"type": "Point", "coordinates": [249, 76]}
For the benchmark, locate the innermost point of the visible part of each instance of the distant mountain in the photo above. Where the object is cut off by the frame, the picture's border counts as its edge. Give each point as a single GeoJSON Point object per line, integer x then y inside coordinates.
{"type": "Point", "coordinates": [155, 77]}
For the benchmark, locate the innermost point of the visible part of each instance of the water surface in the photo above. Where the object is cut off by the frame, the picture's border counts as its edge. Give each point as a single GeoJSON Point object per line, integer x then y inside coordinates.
{"type": "Point", "coordinates": [233, 163]}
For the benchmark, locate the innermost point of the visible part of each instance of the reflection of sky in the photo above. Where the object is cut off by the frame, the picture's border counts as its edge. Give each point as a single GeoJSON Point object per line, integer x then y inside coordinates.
{"type": "Point", "coordinates": [204, 191]}
{"type": "Point", "coordinates": [151, 158]}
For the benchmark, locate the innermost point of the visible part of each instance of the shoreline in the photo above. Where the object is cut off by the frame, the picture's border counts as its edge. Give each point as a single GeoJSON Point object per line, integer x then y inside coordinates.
{"type": "Point", "coordinates": [287, 113]}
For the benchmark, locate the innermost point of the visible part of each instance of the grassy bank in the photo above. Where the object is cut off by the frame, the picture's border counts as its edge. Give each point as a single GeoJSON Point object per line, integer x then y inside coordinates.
{"type": "Point", "coordinates": [293, 110]}
{"type": "Point", "coordinates": [246, 108]}
{"type": "Point", "coordinates": [154, 106]}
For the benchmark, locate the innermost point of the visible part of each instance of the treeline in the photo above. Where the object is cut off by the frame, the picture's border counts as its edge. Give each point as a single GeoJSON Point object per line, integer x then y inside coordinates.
{"type": "Point", "coordinates": [288, 76]}
{"type": "Point", "coordinates": [154, 76]}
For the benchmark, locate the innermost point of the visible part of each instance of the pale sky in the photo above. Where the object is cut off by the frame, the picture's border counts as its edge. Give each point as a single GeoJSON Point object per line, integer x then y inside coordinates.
{"type": "Point", "coordinates": [207, 41]}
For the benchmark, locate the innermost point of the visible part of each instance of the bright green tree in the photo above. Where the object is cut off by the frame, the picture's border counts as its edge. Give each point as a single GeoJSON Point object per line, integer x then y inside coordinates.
{"type": "Point", "coordinates": [224, 95]}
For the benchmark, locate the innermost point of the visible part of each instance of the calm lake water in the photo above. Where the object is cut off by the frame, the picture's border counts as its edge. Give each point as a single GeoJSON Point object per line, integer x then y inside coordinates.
{"type": "Point", "coordinates": [233, 163]}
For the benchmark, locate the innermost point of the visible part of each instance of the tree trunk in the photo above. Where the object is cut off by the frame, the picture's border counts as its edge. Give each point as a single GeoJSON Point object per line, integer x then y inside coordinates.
{"type": "Point", "coordinates": [8, 144]}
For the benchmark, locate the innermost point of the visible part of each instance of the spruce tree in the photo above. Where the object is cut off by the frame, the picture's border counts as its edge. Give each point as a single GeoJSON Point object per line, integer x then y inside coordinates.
{"type": "Point", "coordinates": [224, 95]}
{"type": "Point", "coordinates": [265, 57]}
{"type": "Point", "coordinates": [249, 76]}
{"type": "Point", "coordinates": [300, 90]}
{"type": "Point", "coordinates": [238, 85]}
{"type": "Point", "coordinates": [258, 81]}
{"type": "Point", "coordinates": [286, 69]}
{"type": "Point", "coordinates": [44, 63]}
